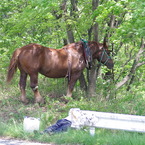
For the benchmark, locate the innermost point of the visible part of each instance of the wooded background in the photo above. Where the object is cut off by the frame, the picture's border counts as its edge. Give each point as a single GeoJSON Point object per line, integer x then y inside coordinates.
{"type": "Point", "coordinates": [55, 23]}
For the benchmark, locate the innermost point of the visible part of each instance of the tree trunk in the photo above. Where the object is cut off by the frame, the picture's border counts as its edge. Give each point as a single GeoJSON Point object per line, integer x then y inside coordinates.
{"type": "Point", "coordinates": [69, 33]}
{"type": "Point", "coordinates": [95, 4]}
{"type": "Point", "coordinates": [92, 79]}
{"type": "Point", "coordinates": [92, 75]}
{"type": "Point", "coordinates": [83, 83]}
{"type": "Point", "coordinates": [69, 30]}
{"type": "Point", "coordinates": [95, 32]}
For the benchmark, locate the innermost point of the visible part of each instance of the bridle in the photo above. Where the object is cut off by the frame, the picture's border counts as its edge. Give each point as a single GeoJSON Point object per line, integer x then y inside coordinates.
{"type": "Point", "coordinates": [103, 53]}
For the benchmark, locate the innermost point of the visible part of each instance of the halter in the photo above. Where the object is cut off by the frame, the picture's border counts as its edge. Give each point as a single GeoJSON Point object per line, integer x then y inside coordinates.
{"type": "Point", "coordinates": [108, 57]}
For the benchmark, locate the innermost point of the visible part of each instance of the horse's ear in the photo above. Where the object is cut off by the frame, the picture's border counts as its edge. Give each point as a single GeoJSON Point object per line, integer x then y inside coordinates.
{"type": "Point", "coordinates": [105, 42]}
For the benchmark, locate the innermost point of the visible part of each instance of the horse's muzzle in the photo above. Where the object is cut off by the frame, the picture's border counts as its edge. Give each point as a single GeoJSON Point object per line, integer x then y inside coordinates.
{"type": "Point", "coordinates": [110, 65]}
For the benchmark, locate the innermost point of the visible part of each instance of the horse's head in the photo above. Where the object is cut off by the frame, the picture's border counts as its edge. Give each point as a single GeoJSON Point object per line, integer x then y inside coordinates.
{"type": "Point", "coordinates": [102, 54]}
{"type": "Point", "coordinates": [105, 58]}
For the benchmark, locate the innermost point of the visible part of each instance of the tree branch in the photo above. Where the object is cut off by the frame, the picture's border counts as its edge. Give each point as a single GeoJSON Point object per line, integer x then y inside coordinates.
{"type": "Point", "coordinates": [140, 64]}
{"type": "Point", "coordinates": [135, 65]}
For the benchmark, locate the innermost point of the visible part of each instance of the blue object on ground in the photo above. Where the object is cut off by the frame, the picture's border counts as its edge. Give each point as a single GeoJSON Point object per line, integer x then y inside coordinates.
{"type": "Point", "coordinates": [60, 126]}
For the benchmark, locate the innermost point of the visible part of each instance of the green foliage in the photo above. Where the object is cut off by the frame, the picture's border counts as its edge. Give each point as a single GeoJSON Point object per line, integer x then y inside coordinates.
{"type": "Point", "coordinates": [37, 21]}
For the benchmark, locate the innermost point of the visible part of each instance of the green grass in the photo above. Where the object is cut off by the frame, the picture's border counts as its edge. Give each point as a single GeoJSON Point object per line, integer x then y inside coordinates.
{"type": "Point", "coordinates": [12, 112]}
{"type": "Point", "coordinates": [73, 137]}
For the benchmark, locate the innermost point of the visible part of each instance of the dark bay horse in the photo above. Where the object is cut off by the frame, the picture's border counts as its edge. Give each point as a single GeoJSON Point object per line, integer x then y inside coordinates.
{"type": "Point", "coordinates": [68, 61]}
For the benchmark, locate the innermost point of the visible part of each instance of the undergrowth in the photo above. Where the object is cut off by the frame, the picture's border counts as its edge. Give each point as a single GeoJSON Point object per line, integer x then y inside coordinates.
{"type": "Point", "coordinates": [12, 113]}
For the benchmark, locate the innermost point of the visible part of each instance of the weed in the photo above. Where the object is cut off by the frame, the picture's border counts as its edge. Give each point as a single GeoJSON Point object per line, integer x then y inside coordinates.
{"type": "Point", "coordinates": [12, 112]}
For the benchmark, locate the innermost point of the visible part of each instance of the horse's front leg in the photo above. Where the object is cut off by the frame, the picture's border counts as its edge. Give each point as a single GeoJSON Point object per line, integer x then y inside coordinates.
{"type": "Point", "coordinates": [71, 83]}
{"type": "Point", "coordinates": [34, 86]}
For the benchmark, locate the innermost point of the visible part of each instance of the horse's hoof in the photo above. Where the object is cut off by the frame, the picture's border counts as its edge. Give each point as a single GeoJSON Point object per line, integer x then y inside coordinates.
{"type": "Point", "coordinates": [39, 100]}
{"type": "Point", "coordinates": [66, 99]}
{"type": "Point", "coordinates": [24, 101]}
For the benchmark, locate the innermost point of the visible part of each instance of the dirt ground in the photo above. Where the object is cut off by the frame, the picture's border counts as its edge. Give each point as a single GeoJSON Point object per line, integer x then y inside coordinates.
{"type": "Point", "coordinates": [8, 141]}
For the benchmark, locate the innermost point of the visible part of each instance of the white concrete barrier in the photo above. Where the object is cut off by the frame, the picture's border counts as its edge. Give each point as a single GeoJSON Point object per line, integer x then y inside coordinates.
{"type": "Point", "coordinates": [81, 118]}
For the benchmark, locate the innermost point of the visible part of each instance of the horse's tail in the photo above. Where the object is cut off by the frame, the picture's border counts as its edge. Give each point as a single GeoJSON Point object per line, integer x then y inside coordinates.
{"type": "Point", "coordinates": [13, 65]}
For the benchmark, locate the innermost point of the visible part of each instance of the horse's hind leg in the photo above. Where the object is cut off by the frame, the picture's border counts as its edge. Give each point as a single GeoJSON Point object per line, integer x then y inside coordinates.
{"type": "Point", "coordinates": [34, 86]}
{"type": "Point", "coordinates": [22, 84]}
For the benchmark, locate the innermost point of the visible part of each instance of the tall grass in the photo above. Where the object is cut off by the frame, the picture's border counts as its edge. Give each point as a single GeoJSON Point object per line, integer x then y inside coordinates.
{"type": "Point", "coordinates": [76, 137]}
{"type": "Point", "coordinates": [12, 112]}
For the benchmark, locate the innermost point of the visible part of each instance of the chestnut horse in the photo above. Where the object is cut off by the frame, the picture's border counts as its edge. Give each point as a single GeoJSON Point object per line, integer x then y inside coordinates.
{"type": "Point", "coordinates": [68, 61]}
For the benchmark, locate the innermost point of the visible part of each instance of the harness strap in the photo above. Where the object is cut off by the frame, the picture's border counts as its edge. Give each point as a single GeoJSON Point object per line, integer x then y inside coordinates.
{"type": "Point", "coordinates": [87, 54]}
{"type": "Point", "coordinates": [68, 74]}
{"type": "Point", "coordinates": [69, 70]}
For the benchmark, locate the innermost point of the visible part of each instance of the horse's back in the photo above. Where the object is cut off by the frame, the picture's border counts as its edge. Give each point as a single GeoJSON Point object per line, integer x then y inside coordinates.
{"type": "Point", "coordinates": [31, 57]}
{"type": "Point", "coordinates": [33, 48]}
